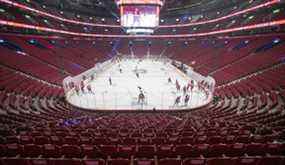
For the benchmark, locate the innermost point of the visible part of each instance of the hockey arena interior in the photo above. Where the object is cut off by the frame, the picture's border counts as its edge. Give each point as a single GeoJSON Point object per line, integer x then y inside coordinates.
{"type": "Point", "coordinates": [142, 82]}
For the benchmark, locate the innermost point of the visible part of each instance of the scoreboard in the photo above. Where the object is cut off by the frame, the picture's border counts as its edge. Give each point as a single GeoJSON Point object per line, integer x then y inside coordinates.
{"type": "Point", "coordinates": [148, 2]}
{"type": "Point", "coordinates": [139, 16]}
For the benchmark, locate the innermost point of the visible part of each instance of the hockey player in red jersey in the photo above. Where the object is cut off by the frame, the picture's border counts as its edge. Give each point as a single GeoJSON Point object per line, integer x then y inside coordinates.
{"type": "Point", "coordinates": [89, 88]}
{"type": "Point", "coordinates": [77, 90]}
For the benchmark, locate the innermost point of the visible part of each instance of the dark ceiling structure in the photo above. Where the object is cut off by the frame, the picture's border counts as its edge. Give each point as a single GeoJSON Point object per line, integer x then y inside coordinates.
{"type": "Point", "coordinates": [108, 8]}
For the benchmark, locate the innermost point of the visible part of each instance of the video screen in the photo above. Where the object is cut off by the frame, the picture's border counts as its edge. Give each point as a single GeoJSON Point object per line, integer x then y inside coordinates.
{"type": "Point", "coordinates": [148, 2]}
{"type": "Point", "coordinates": [139, 16]}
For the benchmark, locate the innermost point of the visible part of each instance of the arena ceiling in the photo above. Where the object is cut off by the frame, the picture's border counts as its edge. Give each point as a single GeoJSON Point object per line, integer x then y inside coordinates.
{"type": "Point", "coordinates": [108, 8]}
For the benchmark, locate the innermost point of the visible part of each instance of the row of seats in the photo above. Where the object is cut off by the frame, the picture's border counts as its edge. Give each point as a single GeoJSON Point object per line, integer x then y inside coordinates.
{"type": "Point", "coordinates": [148, 151]}
{"type": "Point", "coordinates": [214, 139]}
{"type": "Point", "coordinates": [189, 161]}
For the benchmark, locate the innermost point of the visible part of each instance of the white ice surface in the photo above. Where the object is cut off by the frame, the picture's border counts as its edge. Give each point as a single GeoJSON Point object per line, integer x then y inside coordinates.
{"type": "Point", "coordinates": [123, 93]}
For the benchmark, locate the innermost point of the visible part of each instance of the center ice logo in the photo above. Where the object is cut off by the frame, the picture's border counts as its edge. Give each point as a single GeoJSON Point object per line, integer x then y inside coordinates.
{"type": "Point", "coordinates": [140, 71]}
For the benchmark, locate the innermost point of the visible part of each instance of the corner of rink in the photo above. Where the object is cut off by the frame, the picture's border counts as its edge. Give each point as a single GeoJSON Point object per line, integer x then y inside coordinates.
{"type": "Point", "coordinates": [129, 83]}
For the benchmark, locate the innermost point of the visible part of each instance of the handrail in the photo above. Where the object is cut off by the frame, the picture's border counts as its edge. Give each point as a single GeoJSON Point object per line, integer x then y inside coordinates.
{"type": "Point", "coordinates": [64, 38]}
{"type": "Point", "coordinates": [224, 31]}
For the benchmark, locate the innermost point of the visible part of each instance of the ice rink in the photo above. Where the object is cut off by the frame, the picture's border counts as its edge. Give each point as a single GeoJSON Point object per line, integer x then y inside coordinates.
{"type": "Point", "coordinates": [149, 75]}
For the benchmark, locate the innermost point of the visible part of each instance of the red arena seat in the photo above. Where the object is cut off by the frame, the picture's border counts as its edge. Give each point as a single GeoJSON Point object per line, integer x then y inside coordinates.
{"type": "Point", "coordinates": [94, 162]}
{"type": "Point", "coordinates": [119, 162]}
{"type": "Point", "coordinates": [169, 161]}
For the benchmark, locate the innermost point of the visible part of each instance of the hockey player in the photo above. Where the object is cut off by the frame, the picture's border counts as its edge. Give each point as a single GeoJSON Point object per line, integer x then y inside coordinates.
{"type": "Point", "coordinates": [89, 88]}
{"type": "Point", "coordinates": [110, 81]}
{"type": "Point", "coordinates": [177, 101]}
{"type": "Point", "coordinates": [141, 98]}
{"type": "Point", "coordinates": [70, 85]}
{"type": "Point", "coordinates": [169, 80]}
{"type": "Point", "coordinates": [77, 90]}
{"type": "Point", "coordinates": [120, 69]}
{"type": "Point", "coordinates": [82, 84]}
{"type": "Point", "coordinates": [190, 85]}
{"type": "Point", "coordinates": [207, 94]}
{"type": "Point", "coordinates": [82, 88]}
{"type": "Point", "coordinates": [137, 74]}
{"type": "Point", "coordinates": [186, 99]}
{"type": "Point", "coordinates": [184, 90]}
{"type": "Point", "coordinates": [84, 77]}
{"type": "Point", "coordinates": [177, 85]}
